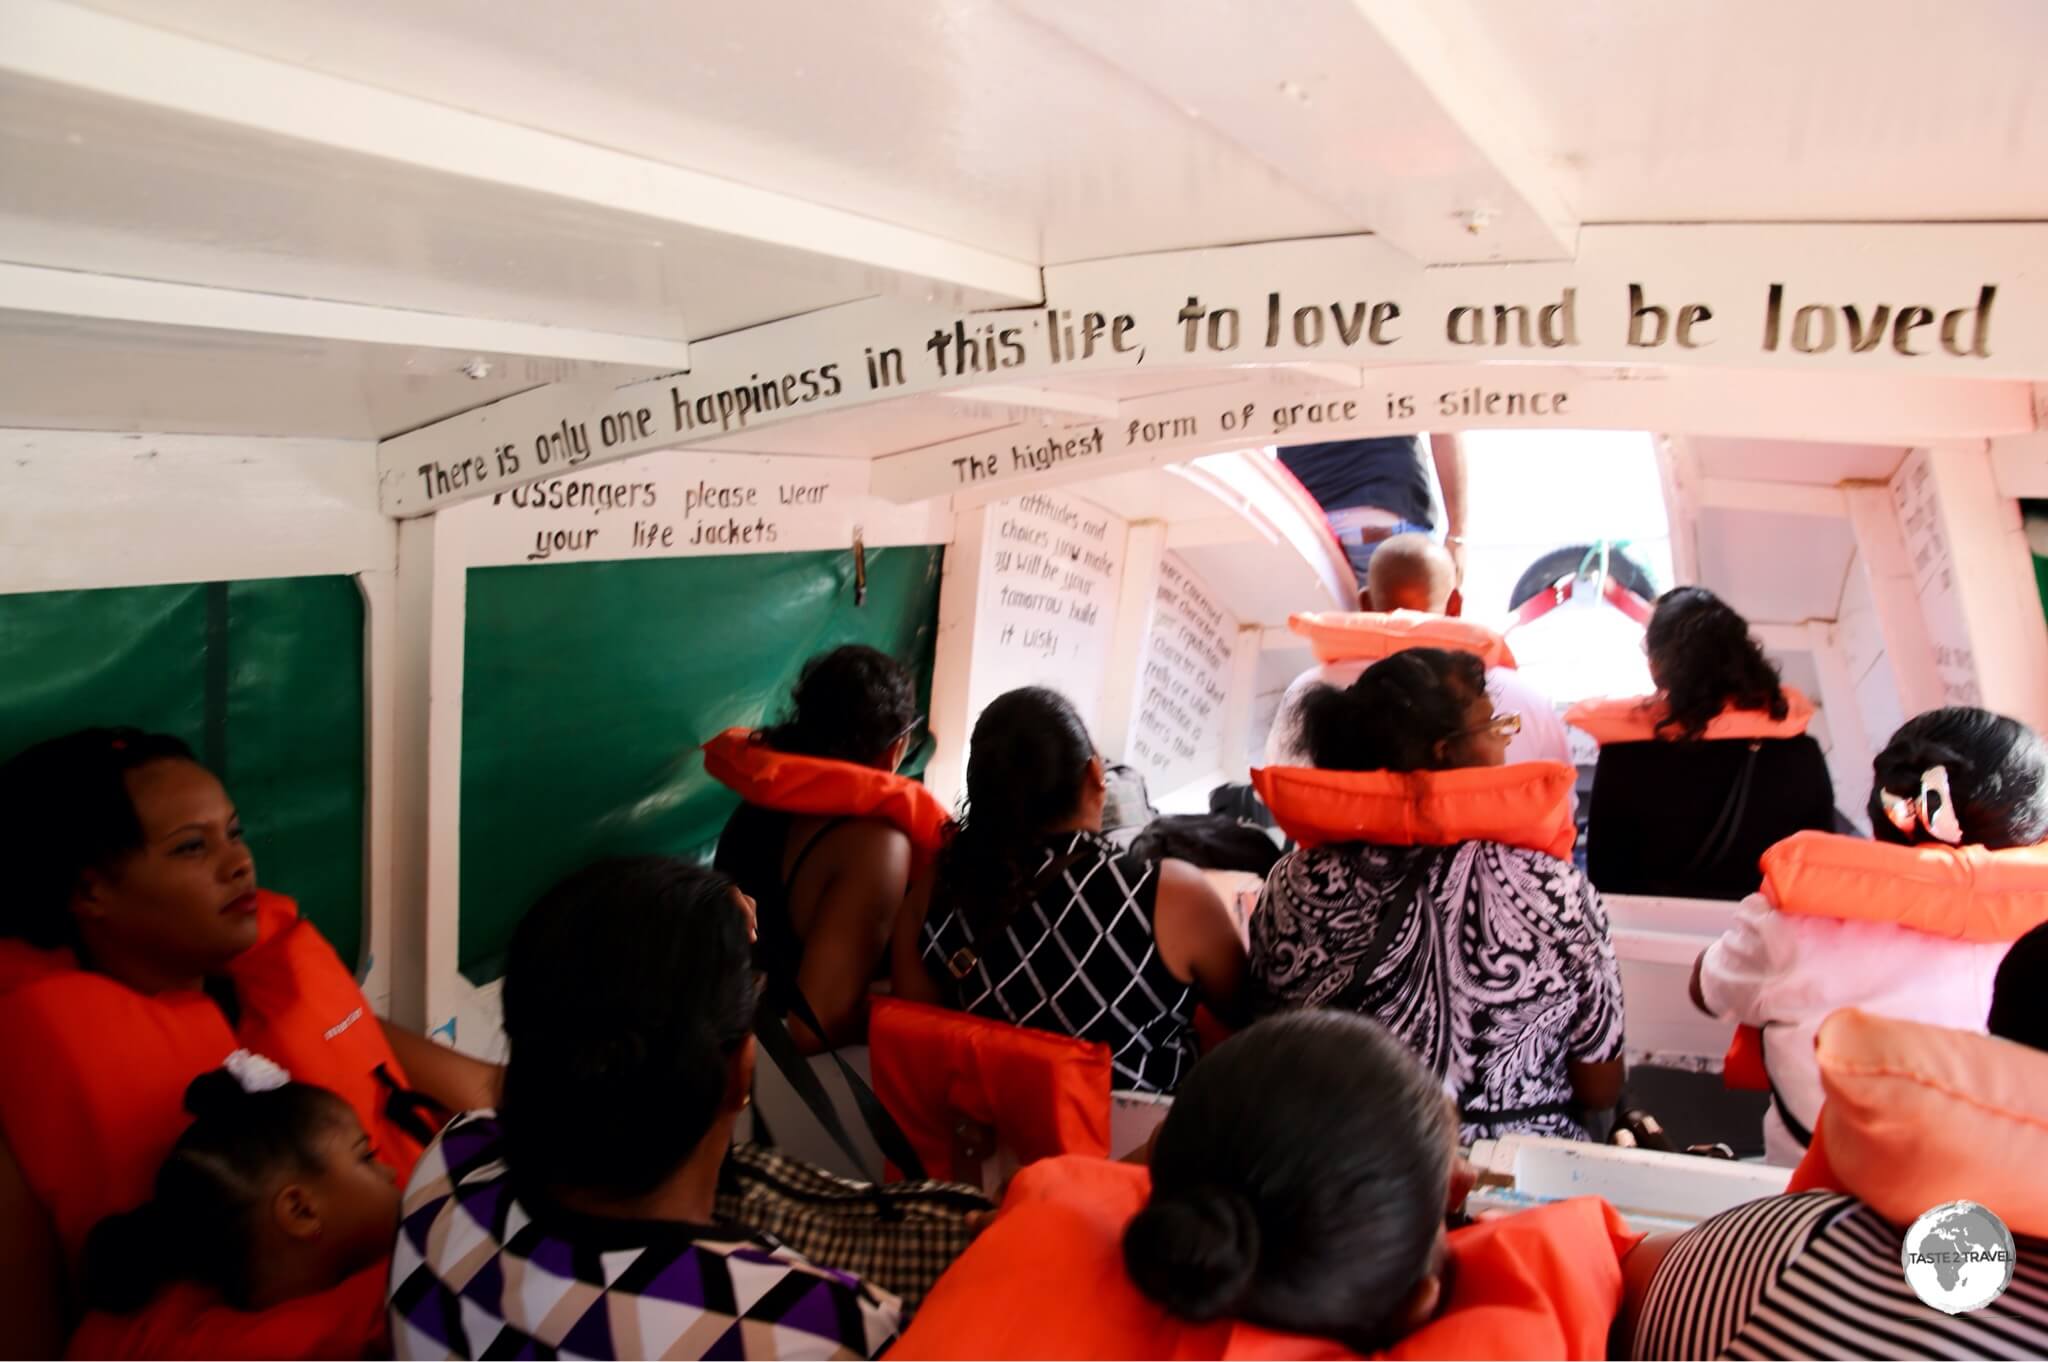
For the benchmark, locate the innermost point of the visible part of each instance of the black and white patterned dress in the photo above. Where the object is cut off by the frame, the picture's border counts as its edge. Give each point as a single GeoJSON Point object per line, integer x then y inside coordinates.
{"type": "Point", "coordinates": [1492, 962]}
{"type": "Point", "coordinates": [1079, 960]}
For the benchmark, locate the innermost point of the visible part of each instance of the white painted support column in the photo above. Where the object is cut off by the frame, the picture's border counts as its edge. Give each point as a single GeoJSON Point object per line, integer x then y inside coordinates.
{"type": "Point", "coordinates": [1993, 582]}
{"type": "Point", "coordinates": [1237, 707]}
{"type": "Point", "coordinates": [426, 803]}
{"type": "Point", "coordinates": [1881, 551]}
{"type": "Point", "coordinates": [1849, 742]}
{"type": "Point", "coordinates": [1123, 678]}
{"type": "Point", "coordinates": [1679, 470]}
{"type": "Point", "coordinates": [380, 770]}
{"type": "Point", "coordinates": [953, 656]}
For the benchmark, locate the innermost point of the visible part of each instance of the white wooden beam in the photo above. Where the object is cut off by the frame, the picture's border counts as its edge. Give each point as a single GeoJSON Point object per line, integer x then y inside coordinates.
{"type": "Point", "coordinates": [1778, 498]}
{"type": "Point", "coordinates": [1988, 580]}
{"type": "Point", "coordinates": [380, 778]}
{"type": "Point", "coordinates": [75, 47]}
{"type": "Point", "coordinates": [2020, 463]}
{"type": "Point", "coordinates": [1212, 530]}
{"type": "Point", "coordinates": [1679, 470]}
{"type": "Point", "coordinates": [1083, 405]}
{"type": "Point", "coordinates": [1325, 375]}
{"type": "Point", "coordinates": [107, 297]}
{"type": "Point", "coordinates": [426, 801]}
{"type": "Point", "coordinates": [1894, 594]}
{"type": "Point", "coordinates": [1451, 51]}
{"type": "Point", "coordinates": [952, 715]}
{"type": "Point", "coordinates": [1312, 95]}
{"type": "Point", "coordinates": [1237, 709]}
{"type": "Point", "coordinates": [1123, 678]}
{"type": "Point", "coordinates": [1780, 637]}
{"type": "Point", "coordinates": [98, 509]}
{"type": "Point", "coordinates": [1849, 742]}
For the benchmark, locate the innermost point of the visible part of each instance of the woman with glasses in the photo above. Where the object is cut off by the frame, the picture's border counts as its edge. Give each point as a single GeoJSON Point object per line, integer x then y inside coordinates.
{"type": "Point", "coordinates": [1491, 959]}
{"type": "Point", "coordinates": [826, 838]}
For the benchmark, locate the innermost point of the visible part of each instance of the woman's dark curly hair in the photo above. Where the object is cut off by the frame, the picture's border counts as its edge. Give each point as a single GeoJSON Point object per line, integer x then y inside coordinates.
{"type": "Point", "coordinates": [848, 705]}
{"type": "Point", "coordinates": [1705, 661]}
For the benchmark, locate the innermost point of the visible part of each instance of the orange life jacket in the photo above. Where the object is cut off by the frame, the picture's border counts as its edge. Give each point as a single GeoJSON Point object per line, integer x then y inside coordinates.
{"type": "Point", "coordinates": [93, 1074]}
{"type": "Point", "coordinates": [1047, 1279]}
{"type": "Point", "coordinates": [1043, 1094]}
{"type": "Point", "coordinates": [346, 1321]}
{"type": "Point", "coordinates": [1965, 893]}
{"type": "Point", "coordinates": [818, 786]}
{"type": "Point", "coordinates": [1369, 635]}
{"type": "Point", "coordinates": [1636, 719]}
{"type": "Point", "coordinates": [1525, 804]}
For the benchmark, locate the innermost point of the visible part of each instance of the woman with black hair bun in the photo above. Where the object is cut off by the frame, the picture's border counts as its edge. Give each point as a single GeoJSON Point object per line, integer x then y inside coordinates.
{"type": "Point", "coordinates": [1430, 892]}
{"type": "Point", "coordinates": [1695, 781]}
{"type": "Point", "coordinates": [1032, 916]}
{"type": "Point", "coordinates": [1914, 925]}
{"type": "Point", "coordinates": [827, 839]}
{"type": "Point", "coordinates": [1299, 1202]}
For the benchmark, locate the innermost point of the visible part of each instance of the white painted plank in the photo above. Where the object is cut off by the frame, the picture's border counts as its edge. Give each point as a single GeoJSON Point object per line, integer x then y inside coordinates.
{"type": "Point", "coordinates": [90, 509]}
{"type": "Point", "coordinates": [69, 46]}
{"type": "Point", "coordinates": [75, 293]}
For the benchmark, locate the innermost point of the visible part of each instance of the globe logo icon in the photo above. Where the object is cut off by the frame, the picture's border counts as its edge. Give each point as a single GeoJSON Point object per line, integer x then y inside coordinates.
{"type": "Point", "coordinates": [1958, 1257]}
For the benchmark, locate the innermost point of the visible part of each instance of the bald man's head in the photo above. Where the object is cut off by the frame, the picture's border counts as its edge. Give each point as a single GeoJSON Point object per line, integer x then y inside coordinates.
{"type": "Point", "coordinates": [1410, 572]}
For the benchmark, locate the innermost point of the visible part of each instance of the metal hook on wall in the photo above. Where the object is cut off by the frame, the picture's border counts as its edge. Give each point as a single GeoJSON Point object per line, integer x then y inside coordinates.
{"type": "Point", "coordinates": [860, 569]}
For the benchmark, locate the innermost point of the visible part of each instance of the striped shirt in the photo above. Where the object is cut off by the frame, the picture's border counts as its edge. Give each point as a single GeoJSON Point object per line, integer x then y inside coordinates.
{"type": "Point", "coordinates": [1821, 1275]}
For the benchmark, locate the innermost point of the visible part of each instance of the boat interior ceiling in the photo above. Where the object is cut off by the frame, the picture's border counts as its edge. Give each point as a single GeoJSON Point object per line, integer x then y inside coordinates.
{"type": "Point", "coordinates": [396, 290]}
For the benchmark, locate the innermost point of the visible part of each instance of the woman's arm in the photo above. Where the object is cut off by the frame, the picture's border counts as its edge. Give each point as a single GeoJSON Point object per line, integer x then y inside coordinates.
{"type": "Point", "coordinates": [907, 974]}
{"type": "Point", "coordinates": [450, 1077]}
{"type": "Point", "coordinates": [34, 1319]}
{"type": "Point", "coordinates": [1737, 978]}
{"type": "Point", "coordinates": [849, 932]}
{"type": "Point", "coordinates": [1198, 940]}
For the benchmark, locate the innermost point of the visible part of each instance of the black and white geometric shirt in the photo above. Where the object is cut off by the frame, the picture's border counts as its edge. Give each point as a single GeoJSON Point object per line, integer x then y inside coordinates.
{"type": "Point", "coordinates": [1079, 960]}
{"type": "Point", "coordinates": [1492, 962]}
{"type": "Point", "coordinates": [479, 1272]}
{"type": "Point", "coordinates": [1819, 1275]}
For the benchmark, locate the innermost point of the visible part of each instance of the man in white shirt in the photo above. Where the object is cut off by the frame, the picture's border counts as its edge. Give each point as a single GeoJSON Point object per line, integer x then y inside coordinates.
{"type": "Point", "coordinates": [1414, 572]}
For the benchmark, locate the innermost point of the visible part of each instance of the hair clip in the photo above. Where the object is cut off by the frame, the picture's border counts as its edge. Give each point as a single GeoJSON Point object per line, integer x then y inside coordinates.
{"type": "Point", "coordinates": [256, 1073]}
{"type": "Point", "coordinates": [1933, 810]}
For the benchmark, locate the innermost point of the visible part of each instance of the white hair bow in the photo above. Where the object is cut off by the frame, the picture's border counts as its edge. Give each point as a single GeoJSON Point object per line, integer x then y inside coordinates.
{"type": "Point", "coordinates": [256, 1073]}
{"type": "Point", "coordinates": [1934, 809]}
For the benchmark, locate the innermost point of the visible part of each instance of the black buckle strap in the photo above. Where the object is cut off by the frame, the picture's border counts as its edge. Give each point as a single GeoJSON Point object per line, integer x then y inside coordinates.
{"type": "Point", "coordinates": [781, 1050]}
{"type": "Point", "coordinates": [413, 1112]}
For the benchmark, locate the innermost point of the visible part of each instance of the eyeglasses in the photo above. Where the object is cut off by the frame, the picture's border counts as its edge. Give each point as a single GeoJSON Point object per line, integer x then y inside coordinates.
{"type": "Point", "coordinates": [1505, 725]}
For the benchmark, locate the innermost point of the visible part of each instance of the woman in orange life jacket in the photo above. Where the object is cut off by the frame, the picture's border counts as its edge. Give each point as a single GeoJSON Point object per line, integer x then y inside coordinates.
{"type": "Point", "coordinates": [1812, 942]}
{"type": "Point", "coordinates": [827, 886]}
{"type": "Point", "coordinates": [135, 949]}
{"type": "Point", "coordinates": [1491, 958]}
{"type": "Point", "coordinates": [273, 1193]}
{"type": "Point", "coordinates": [1031, 916]}
{"type": "Point", "coordinates": [1696, 781]}
{"type": "Point", "coordinates": [1297, 1204]}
